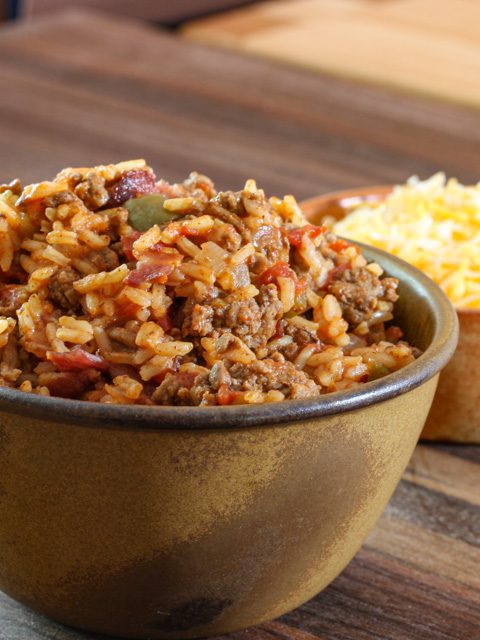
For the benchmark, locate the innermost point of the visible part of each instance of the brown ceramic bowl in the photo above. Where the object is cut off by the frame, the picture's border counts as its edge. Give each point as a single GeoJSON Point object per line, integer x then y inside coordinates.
{"type": "Point", "coordinates": [180, 522]}
{"type": "Point", "coordinates": [455, 413]}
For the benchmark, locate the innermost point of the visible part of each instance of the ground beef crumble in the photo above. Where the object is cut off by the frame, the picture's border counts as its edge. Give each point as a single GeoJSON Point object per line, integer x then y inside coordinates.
{"type": "Point", "coordinates": [273, 373]}
{"type": "Point", "coordinates": [251, 319]}
{"type": "Point", "coordinates": [357, 291]}
{"type": "Point", "coordinates": [92, 190]}
{"type": "Point", "coordinates": [61, 289]}
{"type": "Point", "coordinates": [270, 373]}
{"type": "Point", "coordinates": [12, 296]}
{"type": "Point", "coordinates": [301, 337]}
{"type": "Point", "coordinates": [104, 259]}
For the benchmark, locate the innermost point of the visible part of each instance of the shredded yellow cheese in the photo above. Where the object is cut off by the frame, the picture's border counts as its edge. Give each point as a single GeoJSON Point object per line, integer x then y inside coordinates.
{"type": "Point", "coordinates": [433, 224]}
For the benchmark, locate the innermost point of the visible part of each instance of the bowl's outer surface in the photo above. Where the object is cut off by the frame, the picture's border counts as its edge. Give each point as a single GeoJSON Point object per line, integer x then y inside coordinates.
{"type": "Point", "coordinates": [177, 533]}
{"type": "Point", "coordinates": [455, 413]}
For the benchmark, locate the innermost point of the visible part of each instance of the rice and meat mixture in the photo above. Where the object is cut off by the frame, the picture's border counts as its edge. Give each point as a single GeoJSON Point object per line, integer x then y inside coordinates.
{"type": "Point", "coordinates": [118, 288]}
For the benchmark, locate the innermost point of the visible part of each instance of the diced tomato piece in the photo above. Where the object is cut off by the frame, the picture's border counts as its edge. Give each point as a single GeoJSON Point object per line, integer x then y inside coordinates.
{"type": "Point", "coordinates": [283, 270]}
{"type": "Point", "coordinates": [149, 273]}
{"type": "Point", "coordinates": [295, 236]}
{"type": "Point", "coordinates": [127, 244]}
{"type": "Point", "coordinates": [67, 384]}
{"type": "Point", "coordinates": [341, 244]}
{"type": "Point", "coordinates": [126, 309]}
{"type": "Point", "coordinates": [226, 396]}
{"type": "Point", "coordinates": [279, 329]}
{"type": "Point", "coordinates": [279, 269]}
{"type": "Point", "coordinates": [393, 334]}
{"type": "Point", "coordinates": [137, 182]}
{"type": "Point", "coordinates": [333, 273]}
{"type": "Point", "coordinates": [165, 323]}
{"type": "Point", "coordinates": [78, 359]}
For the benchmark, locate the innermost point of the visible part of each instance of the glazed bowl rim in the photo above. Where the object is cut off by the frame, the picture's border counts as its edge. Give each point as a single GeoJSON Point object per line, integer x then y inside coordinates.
{"type": "Point", "coordinates": [359, 193]}
{"type": "Point", "coordinates": [99, 415]}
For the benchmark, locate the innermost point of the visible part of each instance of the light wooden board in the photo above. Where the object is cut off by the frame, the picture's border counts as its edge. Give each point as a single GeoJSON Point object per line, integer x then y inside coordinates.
{"type": "Point", "coordinates": [426, 46]}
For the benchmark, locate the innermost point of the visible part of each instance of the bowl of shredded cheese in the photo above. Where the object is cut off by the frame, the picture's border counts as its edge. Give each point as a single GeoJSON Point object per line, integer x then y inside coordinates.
{"type": "Point", "coordinates": [433, 224]}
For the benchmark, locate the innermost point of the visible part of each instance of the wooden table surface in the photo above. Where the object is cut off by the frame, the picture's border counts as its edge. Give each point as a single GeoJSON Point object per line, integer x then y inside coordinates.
{"type": "Point", "coordinates": [82, 89]}
{"type": "Point", "coordinates": [426, 46]}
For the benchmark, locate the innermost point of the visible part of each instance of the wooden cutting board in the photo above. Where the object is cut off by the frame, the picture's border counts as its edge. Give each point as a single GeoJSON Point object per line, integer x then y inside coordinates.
{"type": "Point", "coordinates": [425, 46]}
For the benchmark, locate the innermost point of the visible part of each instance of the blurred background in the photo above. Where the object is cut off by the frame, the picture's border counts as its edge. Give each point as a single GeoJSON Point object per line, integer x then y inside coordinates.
{"type": "Point", "coordinates": [163, 12]}
{"type": "Point", "coordinates": [430, 47]}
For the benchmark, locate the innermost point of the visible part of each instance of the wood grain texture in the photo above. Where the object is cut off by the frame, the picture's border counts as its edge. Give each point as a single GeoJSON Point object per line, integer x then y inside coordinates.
{"type": "Point", "coordinates": [425, 46]}
{"type": "Point", "coordinates": [83, 89]}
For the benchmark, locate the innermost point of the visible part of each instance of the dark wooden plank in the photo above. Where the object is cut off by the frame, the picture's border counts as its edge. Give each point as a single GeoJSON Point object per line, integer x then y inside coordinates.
{"type": "Point", "coordinates": [81, 90]}
{"type": "Point", "coordinates": [469, 453]}
{"type": "Point", "coordinates": [441, 513]}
